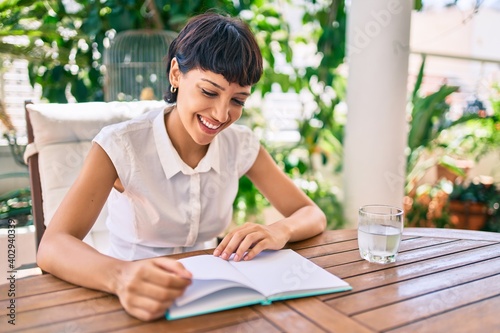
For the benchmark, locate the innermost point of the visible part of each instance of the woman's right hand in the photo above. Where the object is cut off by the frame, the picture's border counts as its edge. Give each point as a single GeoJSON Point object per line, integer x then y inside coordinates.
{"type": "Point", "coordinates": [147, 288]}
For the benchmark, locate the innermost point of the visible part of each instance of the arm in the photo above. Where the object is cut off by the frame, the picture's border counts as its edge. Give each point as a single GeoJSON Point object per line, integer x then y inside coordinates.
{"type": "Point", "coordinates": [303, 218]}
{"type": "Point", "coordinates": [146, 288]}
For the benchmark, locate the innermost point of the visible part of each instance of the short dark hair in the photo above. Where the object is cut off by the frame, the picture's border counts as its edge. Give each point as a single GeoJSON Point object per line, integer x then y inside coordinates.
{"type": "Point", "coordinates": [217, 43]}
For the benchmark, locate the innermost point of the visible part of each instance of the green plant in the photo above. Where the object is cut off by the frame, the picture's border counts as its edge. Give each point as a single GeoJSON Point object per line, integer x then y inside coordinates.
{"type": "Point", "coordinates": [476, 191]}
{"type": "Point", "coordinates": [480, 190]}
{"type": "Point", "coordinates": [16, 205]}
{"type": "Point", "coordinates": [428, 205]}
{"type": "Point", "coordinates": [428, 120]}
{"type": "Point", "coordinates": [321, 128]}
{"type": "Point", "coordinates": [434, 138]}
{"type": "Point", "coordinates": [64, 41]}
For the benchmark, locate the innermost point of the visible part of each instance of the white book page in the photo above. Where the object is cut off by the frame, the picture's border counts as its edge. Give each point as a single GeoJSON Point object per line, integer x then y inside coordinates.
{"type": "Point", "coordinates": [200, 288]}
{"type": "Point", "coordinates": [210, 274]}
{"type": "Point", "coordinates": [287, 272]}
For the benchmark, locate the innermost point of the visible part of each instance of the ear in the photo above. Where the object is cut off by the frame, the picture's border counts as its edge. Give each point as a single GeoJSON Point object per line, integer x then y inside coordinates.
{"type": "Point", "coordinates": [175, 73]}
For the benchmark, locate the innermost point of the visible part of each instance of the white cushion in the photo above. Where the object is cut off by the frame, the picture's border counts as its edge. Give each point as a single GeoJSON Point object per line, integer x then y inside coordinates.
{"type": "Point", "coordinates": [59, 165]}
{"type": "Point", "coordinates": [72, 122]}
{"type": "Point", "coordinates": [63, 136]}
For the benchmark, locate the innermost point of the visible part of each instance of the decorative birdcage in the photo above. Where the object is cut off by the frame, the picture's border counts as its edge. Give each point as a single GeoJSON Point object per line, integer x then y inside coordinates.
{"type": "Point", "coordinates": [135, 67]}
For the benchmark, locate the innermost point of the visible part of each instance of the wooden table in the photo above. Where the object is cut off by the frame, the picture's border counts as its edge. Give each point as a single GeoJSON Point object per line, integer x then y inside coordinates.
{"type": "Point", "coordinates": [443, 281]}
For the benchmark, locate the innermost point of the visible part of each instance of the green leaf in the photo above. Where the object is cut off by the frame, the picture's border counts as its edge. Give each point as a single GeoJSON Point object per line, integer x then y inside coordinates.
{"type": "Point", "coordinates": [418, 5]}
{"type": "Point", "coordinates": [79, 90]}
{"type": "Point", "coordinates": [425, 110]}
{"type": "Point", "coordinates": [420, 77]}
{"type": "Point", "coordinates": [92, 24]}
{"type": "Point", "coordinates": [57, 73]}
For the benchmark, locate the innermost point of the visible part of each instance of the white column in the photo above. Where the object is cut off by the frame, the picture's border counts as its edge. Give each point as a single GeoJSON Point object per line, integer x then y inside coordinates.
{"type": "Point", "coordinates": [376, 131]}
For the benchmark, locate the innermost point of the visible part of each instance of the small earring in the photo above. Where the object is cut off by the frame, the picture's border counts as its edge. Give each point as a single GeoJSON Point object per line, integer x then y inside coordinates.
{"type": "Point", "coordinates": [173, 89]}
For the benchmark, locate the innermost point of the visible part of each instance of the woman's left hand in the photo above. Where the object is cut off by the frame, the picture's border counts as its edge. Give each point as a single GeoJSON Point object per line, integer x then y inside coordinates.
{"type": "Point", "coordinates": [250, 239]}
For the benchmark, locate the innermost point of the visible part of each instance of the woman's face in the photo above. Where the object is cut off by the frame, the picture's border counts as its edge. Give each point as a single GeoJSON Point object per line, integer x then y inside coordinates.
{"type": "Point", "coordinates": [206, 102]}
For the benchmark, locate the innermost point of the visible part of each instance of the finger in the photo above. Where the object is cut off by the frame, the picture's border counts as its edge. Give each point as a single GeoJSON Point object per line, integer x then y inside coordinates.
{"type": "Point", "coordinates": [256, 249]}
{"type": "Point", "coordinates": [220, 250]}
{"type": "Point", "coordinates": [245, 228]}
{"type": "Point", "coordinates": [247, 243]}
{"type": "Point", "coordinates": [240, 243]}
{"type": "Point", "coordinates": [225, 241]}
{"type": "Point", "coordinates": [158, 276]}
{"type": "Point", "coordinates": [226, 250]}
{"type": "Point", "coordinates": [159, 292]}
{"type": "Point", "coordinates": [148, 271]}
{"type": "Point", "coordinates": [173, 266]}
{"type": "Point", "coordinates": [222, 245]}
{"type": "Point", "coordinates": [147, 309]}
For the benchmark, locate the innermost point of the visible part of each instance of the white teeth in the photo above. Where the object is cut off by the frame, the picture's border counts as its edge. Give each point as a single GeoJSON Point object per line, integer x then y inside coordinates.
{"type": "Point", "coordinates": [206, 123]}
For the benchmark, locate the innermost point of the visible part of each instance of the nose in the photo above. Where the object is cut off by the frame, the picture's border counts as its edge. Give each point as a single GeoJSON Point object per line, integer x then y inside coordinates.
{"type": "Point", "coordinates": [221, 112]}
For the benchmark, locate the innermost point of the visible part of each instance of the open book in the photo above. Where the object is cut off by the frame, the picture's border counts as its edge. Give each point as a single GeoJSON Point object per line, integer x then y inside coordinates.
{"type": "Point", "coordinates": [271, 276]}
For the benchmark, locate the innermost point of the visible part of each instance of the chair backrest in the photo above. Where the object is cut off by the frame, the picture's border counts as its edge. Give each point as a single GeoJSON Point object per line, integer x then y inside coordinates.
{"type": "Point", "coordinates": [59, 138]}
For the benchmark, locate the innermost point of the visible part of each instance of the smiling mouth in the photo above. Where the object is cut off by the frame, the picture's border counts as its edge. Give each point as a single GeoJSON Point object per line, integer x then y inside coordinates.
{"type": "Point", "coordinates": [208, 124]}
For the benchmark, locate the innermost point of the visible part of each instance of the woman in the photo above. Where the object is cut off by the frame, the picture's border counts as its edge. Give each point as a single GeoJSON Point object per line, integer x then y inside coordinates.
{"type": "Point", "coordinates": [170, 177]}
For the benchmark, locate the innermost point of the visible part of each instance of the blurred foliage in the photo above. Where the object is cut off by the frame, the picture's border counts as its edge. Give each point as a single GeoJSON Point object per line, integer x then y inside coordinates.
{"type": "Point", "coordinates": [16, 205]}
{"type": "Point", "coordinates": [431, 205]}
{"type": "Point", "coordinates": [320, 87]}
{"type": "Point", "coordinates": [64, 43]}
{"type": "Point", "coordinates": [436, 139]}
{"type": "Point", "coordinates": [476, 191]}
{"type": "Point", "coordinates": [428, 207]}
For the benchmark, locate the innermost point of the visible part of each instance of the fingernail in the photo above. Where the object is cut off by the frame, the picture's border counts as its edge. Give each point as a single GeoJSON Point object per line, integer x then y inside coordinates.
{"type": "Point", "coordinates": [236, 257]}
{"type": "Point", "coordinates": [224, 256]}
{"type": "Point", "coordinates": [216, 252]}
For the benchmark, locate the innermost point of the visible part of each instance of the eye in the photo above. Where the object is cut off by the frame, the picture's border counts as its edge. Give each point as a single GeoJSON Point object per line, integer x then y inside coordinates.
{"type": "Point", "coordinates": [238, 102]}
{"type": "Point", "coordinates": [208, 93]}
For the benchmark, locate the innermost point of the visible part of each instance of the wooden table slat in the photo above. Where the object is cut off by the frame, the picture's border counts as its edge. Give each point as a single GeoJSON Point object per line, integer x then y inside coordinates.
{"type": "Point", "coordinates": [104, 322]}
{"type": "Point", "coordinates": [251, 326]}
{"type": "Point", "coordinates": [355, 303]}
{"type": "Point", "coordinates": [196, 324]}
{"type": "Point", "coordinates": [430, 255]}
{"type": "Point", "coordinates": [41, 301]}
{"type": "Point", "coordinates": [413, 244]}
{"type": "Point", "coordinates": [351, 252]}
{"type": "Point", "coordinates": [396, 273]}
{"type": "Point", "coordinates": [453, 233]}
{"type": "Point", "coordinates": [286, 318]}
{"type": "Point", "coordinates": [333, 236]}
{"type": "Point", "coordinates": [477, 317]}
{"type": "Point", "coordinates": [65, 312]}
{"type": "Point", "coordinates": [329, 319]}
{"type": "Point", "coordinates": [25, 287]}
{"type": "Point", "coordinates": [314, 252]}
{"type": "Point", "coordinates": [431, 304]}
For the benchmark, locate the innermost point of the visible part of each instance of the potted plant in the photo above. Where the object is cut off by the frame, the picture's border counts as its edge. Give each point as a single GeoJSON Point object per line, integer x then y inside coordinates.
{"type": "Point", "coordinates": [472, 204]}
{"type": "Point", "coordinates": [427, 206]}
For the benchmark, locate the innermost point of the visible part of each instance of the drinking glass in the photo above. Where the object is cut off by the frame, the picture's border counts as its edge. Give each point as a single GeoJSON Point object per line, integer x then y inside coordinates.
{"type": "Point", "coordinates": [379, 232]}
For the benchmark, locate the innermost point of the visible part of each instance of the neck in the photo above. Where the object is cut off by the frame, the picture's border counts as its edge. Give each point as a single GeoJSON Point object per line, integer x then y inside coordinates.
{"type": "Point", "coordinates": [189, 151]}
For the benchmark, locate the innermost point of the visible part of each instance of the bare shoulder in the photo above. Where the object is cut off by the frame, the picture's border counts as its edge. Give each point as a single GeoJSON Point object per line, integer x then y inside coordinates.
{"type": "Point", "coordinates": [264, 165]}
{"type": "Point", "coordinates": [98, 163]}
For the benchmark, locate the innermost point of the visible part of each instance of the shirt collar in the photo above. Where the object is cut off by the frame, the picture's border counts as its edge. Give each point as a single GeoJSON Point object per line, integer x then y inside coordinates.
{"type": "Point", "coordinates": [170, 159]}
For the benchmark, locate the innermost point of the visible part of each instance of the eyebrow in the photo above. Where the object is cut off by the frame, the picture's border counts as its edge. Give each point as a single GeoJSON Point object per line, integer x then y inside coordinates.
{"type": "Point", "coordinates": [224, 89]}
